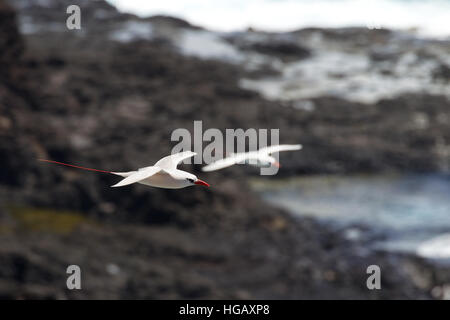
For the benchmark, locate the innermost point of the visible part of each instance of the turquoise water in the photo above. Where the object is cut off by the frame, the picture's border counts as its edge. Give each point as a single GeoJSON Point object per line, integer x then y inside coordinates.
{"type": "Point", "coordinates": [409, 210]}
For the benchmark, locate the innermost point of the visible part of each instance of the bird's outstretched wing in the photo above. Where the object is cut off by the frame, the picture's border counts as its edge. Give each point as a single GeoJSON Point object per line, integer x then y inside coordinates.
{"type": "Point", "coordinates": [138, 176]}
{"type": "Point", "coordinates": [225, 162]}
{"type": "Point", "coordinates": [280, 147]}
{"type": "Point", "coordinates": [171, 162]}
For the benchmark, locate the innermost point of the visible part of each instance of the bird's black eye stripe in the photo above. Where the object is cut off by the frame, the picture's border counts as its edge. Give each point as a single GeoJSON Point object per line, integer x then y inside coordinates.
{"type": "Point", "coordinates": [190, 180]}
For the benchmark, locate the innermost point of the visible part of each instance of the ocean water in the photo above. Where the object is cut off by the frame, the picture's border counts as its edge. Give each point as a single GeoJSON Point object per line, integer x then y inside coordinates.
{"type": "Point", "coordinates": [409, 213]}
{"type": "Point", "coordinates": [428, 17]}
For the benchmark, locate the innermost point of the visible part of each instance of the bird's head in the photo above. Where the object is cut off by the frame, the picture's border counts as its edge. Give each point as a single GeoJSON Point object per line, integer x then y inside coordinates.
{"type": "Point", "coordinates": [273, 161]}
{"type": "Point", "coordinates": [192, 180]}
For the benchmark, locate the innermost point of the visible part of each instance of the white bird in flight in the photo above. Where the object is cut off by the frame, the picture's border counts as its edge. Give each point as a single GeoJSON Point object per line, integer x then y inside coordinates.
{"type": "Point", "coordinates": [261, 157]}
{"type": "Point", "coordinates": [163, 174]}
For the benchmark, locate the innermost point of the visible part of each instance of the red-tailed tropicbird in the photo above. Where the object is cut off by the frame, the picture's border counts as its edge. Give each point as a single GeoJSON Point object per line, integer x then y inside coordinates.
{"type": "Point", "coordinates": [261, 157]}
{"type": "Point", "coordinates": [163, 174]}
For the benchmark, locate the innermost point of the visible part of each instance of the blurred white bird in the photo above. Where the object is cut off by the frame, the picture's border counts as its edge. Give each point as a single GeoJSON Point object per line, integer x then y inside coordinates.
{"type": "Point", "coordinates": [261, 157]}
{"type": "Point", "coordinates": [163, 174]}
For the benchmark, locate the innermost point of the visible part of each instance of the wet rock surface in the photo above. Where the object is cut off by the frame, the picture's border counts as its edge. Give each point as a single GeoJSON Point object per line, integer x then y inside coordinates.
{"type": "Point", "coordinates": [85, 98]}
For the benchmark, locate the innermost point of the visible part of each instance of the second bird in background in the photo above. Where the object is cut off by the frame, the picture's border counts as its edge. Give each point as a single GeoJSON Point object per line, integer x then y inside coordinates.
{"type": "Point", "coordinates": [260, 158]}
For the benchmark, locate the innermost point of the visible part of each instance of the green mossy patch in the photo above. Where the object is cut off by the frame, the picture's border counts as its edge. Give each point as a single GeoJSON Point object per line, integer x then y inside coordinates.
{"type": "Point", "coordinates": [47, 220]}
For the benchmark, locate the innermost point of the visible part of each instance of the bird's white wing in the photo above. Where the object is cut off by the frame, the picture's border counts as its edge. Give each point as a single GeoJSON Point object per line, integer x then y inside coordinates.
{"type": "Point", "coordinates": [280, 147]}
{"type": "Point", "coordinates": [171, 162]}
{"type": "Point", "coordinates": [138, 176]}
{"type": "Point", "coordinates": [226, 162]}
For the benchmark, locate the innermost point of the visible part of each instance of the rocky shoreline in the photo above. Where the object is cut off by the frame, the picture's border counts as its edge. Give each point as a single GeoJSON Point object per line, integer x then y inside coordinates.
{"type": "Point", "coordinates": [104, 98]}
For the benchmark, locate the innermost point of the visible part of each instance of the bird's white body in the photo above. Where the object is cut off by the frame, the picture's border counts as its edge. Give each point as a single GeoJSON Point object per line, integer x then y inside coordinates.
{"type": "Point", "coordinates": [259, 158]}
{"type": "Point", "coordinates": [164, 179]}
{"type": "Point", "coordinates": [163, 174]}
{"type": "Point", "coordinates": [167, 179]}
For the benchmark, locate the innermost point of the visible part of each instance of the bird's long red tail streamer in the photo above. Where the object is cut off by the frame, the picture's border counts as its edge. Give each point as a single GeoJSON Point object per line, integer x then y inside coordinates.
{"type": "Point", "coordinates": [74, 166]}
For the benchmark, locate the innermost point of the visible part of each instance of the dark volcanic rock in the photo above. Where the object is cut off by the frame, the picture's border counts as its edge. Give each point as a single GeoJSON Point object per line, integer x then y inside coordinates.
{"type": "Point", "coordinates": [10, 42]}
{"type": "Point", "coordinates": [172, 22]}
{"type": "Point", "coordinates": [284, 49]}
{"type": "Point", "coordinates": [442, 73]}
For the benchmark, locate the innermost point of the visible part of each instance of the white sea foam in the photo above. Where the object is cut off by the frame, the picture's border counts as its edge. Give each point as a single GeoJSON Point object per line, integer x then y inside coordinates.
{"type": "Point", "coordinates": [133, 30]}
{"type": "Point", "coordinates": [435, 248]}
{"type": "Point", "coordinates": [429, 17]}
{"type": "Point", "coordinates": [207, 45]}
{"type": "Point", "coordinates": [349, 75]}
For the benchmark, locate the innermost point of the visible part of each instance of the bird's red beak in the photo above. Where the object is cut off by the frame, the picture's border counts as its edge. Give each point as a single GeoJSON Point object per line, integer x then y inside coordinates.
{"type": "Point", "coordinates": [277, 164]}
{"type": "Point", "coordinates": [201, 182]}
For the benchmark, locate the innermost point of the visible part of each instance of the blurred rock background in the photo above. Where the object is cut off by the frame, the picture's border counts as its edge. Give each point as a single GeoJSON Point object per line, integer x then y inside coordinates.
{"type": "Point", "coordinates": [108, 97]}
